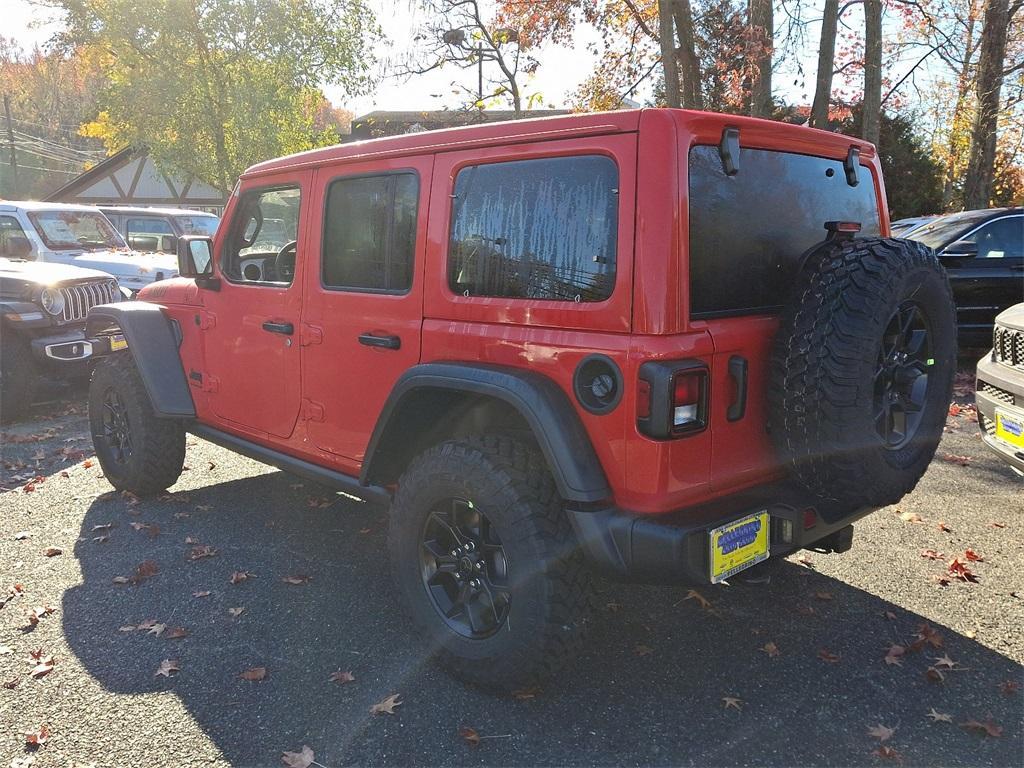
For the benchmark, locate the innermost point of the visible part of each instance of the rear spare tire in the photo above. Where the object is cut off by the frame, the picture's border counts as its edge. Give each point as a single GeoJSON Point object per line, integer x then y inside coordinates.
{"type": "Point", "coordinates": [862, 371]}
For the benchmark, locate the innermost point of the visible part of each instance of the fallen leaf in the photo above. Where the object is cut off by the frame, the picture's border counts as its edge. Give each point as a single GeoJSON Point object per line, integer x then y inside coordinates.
{"type": "Point", "coordinates": [771, 649]}
{"type": "Point", "coordinates": [12, 683]}
{"type": "Point", "coordinates": [525, 694]}
{"type": "Point", "coordinates": [155, 629]}
{"type": "Point", "coordinates": [121, 580]}
{"type": "Point", "coordinates": [302, 759]}
{"type": "Point", "coordinates": [826, 655]}
{"type": "Point", "coordinates": [973, 556]}
{"type": "Point", "coordinates": [702, 601]}
{"type": "Point", "coordinates": [944, 528]}
{"type": "Point", "coordinates": [996, 524]}
{"type": "Point", "coordinates": [823, 595]}
{"type": "Point", "coordinates": [934, 675]}
{"type": "Point", "coordinates": [469, 735]}
{"type": "Point", "coordinates": [881, 732]}
{"type": "Point", "coordinates": [201, 593]}
{"type": "Point", "coordinates": [237, 577]}
{"type": "Point", "coordinates": [236, 612]}
{"type": "Point", "coordinates": [127, 628]}
{"type": "Point", "coordinates": [145, 570]}
{"type": "Point", "coordinates": [931, 554]}
{"type": "Point", "coordinates": [642, 650]}
{"type": "Point", "coordinates": [298, 579]}
{"type": "Point", "coordinates": [945, 662]}
{"type": "Point", "coordinates": [255, 674]}
{"type": "Point", "coordinates": [731, 702]}
{"type": "Point", "coordinates": [175, 633]}
{"type": "Point", "coordinates": [387, 705]}
{"type": "Point", "coordinates": [101, 539]}
{"type": "Point", "coordinates": [805, 561]}
{"type": "Point", "coordinates": [961, 571]}
{"type": "Point", "coordinates": [53, 551]}
{"type": "Point", "coordinates": [953, 458]}
{"type": "Point", "coordinates": [613, 607]}
{"type": "Point", "coordinates": [5, 650]}
{"type": "Point", "coordinates": [152, 530]}
{"type": "Point", "coordinates": [198, 553]}
{"type": "Point", "coordinates": [1009, 687]}
{"type": "Point", "coordinates": [894, 656]}
{"type": "Point", "coordinates": [939, 717]}
{"type": "Point", "coordinates": [988, 728]}
{"type": "Point", "coordinates": [44, 667]}
{"type": "Point", "coordinates": [942, 581]}
{"type": "Point", "coordinates": [37, 737]}
{"type": "Point", "coordinates": [341, 677]}
{"type": "Point", "coordinates": [911, 517]}
{"type": "Point", "coordinates": [887, 752]}
{"type": "Point", "coordinates": [167, 667]}
{"type": "Point", "coordinates": [21, 535]}
{"type": "Point", "coordinates": [926, 636]}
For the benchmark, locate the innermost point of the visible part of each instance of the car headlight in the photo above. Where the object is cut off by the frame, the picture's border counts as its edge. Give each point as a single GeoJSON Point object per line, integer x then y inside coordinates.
{"type": "Point", "coordinates": [52, 300]}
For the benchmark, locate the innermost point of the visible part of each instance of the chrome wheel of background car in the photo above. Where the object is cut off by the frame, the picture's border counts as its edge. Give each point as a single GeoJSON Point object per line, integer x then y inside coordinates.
{"type": "Point", "coordinates": [464, 569]}
{"type": "Point", "coordinates": [901, 378]}
{"type": "Point", "coordinates": [115, 427]}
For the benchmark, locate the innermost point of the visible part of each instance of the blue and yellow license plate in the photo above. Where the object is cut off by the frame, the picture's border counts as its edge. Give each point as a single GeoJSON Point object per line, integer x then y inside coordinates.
{"type": "Point", "coordinates": [118, 343]}
{"type": "Point", "coordinates": [738, 545]}
{"type": "Point", "coordinates": [1009, 428]}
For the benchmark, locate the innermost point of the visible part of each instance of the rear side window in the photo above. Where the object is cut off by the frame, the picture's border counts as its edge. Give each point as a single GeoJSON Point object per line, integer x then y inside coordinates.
{"type": "Point", "coordinates": [748, 231]}
{"type": "Point", "coordinates": [535, 229]}
{"type": "Point", "coordinates": [370, 232]}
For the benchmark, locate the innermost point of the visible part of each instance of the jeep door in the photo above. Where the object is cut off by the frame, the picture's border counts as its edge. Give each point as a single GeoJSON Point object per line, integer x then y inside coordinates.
{"type": "Point", "coordinates": [364, 297]}
{"type": "Point", "coordinates": [251, 324]}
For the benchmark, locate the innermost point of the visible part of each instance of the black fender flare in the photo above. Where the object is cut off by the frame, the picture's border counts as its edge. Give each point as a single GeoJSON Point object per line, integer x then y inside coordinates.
{"type": "Point", "coordinates": [153, 345]}
{"type": "Point", "coordinates": [544, 406]}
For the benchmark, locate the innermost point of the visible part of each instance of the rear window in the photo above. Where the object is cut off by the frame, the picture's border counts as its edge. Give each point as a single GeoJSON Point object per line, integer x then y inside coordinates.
{"type": "Point", "coordinates": [748, 231]}
{"type": "Point", "coordinates": [536, 229]}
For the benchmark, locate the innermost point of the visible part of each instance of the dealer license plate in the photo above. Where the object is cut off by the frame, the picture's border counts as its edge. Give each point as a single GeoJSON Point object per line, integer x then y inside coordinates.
{"type": "Point", "coordinates": [118, 343]}
{"type": "Point", "coordinates": [1010, 428]}
{"type": "Point", "coordinates": [738, 545]}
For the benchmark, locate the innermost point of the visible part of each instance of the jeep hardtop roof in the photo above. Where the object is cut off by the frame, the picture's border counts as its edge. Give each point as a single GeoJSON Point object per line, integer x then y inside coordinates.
{"type": "Point", "coordinates": [38, 205]}
{"type": "Point", "coordinates": [144, 210]}
{"type": "Point", "coordinates": [789, 137]}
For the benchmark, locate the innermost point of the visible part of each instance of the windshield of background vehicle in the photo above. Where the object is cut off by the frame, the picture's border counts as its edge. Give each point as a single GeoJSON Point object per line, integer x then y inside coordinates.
{"type": "Point", "coordinates": [944, 229]}
{"type": "Point", "coordinates": [66, 230]}
{"type": "Point", "coordinates": [198, 225]}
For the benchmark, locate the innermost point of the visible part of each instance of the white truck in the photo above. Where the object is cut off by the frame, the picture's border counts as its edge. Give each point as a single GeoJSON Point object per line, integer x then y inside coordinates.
{"type": "Point", "coordinates": [81, 236]}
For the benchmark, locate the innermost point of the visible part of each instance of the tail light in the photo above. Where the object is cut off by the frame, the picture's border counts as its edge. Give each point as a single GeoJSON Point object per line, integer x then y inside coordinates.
{"type": "Point", "coordinates": [672, 398]}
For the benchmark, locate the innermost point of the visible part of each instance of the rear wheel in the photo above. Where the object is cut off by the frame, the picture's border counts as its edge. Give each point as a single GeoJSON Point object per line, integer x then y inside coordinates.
{"type": "Point", "coordinates": [138, 451]}
{"type": "Point", "coordinates": [486, 563]}
{"type": "Point", "coordinates": [18, 376]}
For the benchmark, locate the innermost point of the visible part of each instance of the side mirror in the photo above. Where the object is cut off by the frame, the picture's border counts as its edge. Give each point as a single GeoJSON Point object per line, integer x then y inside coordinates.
{"type": "Point", "coordinates": [961, 249]}
{"type": "Point", "coordinates": [195, 259]}
{"type": "Point", "coordinates": [19, 247]}
{"type": "Point", "coordinates": [168, 244]}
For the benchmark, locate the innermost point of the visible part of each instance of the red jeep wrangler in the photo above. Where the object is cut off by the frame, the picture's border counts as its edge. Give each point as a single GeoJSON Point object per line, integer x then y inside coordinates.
{"type": "Point", "coordinates": [664, 343]}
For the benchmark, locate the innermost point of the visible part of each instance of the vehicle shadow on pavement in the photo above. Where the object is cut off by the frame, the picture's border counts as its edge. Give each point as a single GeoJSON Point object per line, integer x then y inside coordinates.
{"type": "Point", "coordinates": [647, 690]}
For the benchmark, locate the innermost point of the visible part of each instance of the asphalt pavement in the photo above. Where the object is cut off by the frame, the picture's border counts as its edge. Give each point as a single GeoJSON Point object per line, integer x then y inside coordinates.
{"type": "Point", "coordinates": [785, 670]}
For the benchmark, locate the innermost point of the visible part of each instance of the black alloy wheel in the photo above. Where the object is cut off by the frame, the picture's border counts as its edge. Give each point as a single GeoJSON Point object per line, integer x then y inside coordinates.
{"type": "Point", "coordinates": [901, 378]}
{"type": "Point", "coordinates": [116, 428]}
{"type": "Point", "coordinates": [465, 569]}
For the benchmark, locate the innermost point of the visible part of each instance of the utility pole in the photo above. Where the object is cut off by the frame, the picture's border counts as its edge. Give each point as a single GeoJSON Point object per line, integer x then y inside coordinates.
{"type": "Point", "coordinates": [10, 140]}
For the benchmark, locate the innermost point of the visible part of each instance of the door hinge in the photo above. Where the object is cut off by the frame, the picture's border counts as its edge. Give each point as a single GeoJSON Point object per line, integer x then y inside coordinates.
{"type": "Point", "coordinates": [205, 320]}
{"type": "Point", "coordinates": [312, 410]}
{"type": "Point", "coordinates": [311, 334]}
{"type": "Point", "coordinates": [210, 383]}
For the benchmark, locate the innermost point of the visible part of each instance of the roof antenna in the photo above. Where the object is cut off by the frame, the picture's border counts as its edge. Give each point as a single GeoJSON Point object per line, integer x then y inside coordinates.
{"type": "Point", "coordinates": [729, 151]}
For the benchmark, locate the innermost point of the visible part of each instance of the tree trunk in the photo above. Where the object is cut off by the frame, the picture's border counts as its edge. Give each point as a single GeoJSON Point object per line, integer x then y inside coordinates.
{"type": "Point", "coordinates": [760, 18]}
{"type": "Point", "coordinates": [689, 66]}
{"type": "Point", "coordinates": [872, 69]}
{"type": "Point", "coordinates": [668, 53]}
{"type": "Point", "coordinates": [981, 163]}
{"type": "Point", "coordinates": [826, 65]}
{"type": "Point", "coordinates": [958, 124]}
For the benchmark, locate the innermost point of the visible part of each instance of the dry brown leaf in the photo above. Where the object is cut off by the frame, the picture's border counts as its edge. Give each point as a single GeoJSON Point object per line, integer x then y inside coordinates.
{"type": "Point", "coordinates": [911, 517]}
{"type": "Point", "coordinates": [44, 667]}
{"type": "Point", "coordinates": [961, 571]}
{"type": "Point", "coordinates": [198, 553]}
{"type": "Point", "coordinates": [297, 579]}
{"type": "Point", "coordinates": [939, 717]}
{"type": "Point", "coordinates": [731, 702]}
{"type": "Point", "coordinates": [823, 595]}
{"type": "Point", "coordinates": [642, 650]}
{"type": "Point", "coordinates": [826, 655]}
{"type": "Point", "coordinates": [469, 735]}
{"type": "Point", "coordinates": [953, 458]}
{"type": "Point", "coordinates": [1009, 687]}
{"type": "Point", "coordinates": [302, 759]}
{"type": "Point", "coordinates": [254, 674]}
{"type": "Point", "coordinates": [894, 656]}
{"type": "Point", "coordinates": [771, 649]}
{"type": "Point", "coordinates": [201, 593]}
{"type": "Point", "coordinates": [341, 677]}
{"type": "Point", "coordinates": [943, 527]}
{"type": "Point", "coordinates": [988, 728]}
{"type": "Point", "coordinates": [37, 737]}
{"type": "Point", "coordinates": [155, 629]}
{"type": "Point", "coordinates": [53, 551]}
{"type": "Point", "coordinates": [881, 732]}
{"type": "Point", "coordinates": [887, 753]}
{"type": "Point", "coordinates": [21, 535]}
{"type": "Point", "coordinates": [972, 556]}
{"type": "Point", "coordinates": [167, 668]}
{"type": "Point", "coordinates": [934, 675]}
{"type": "Point", "coordinates": [525, 694]}
{"type": "Point", "coordinates": [175, 633]}
{"type": "Point", "coordinates": [931, 554]}
{"type": "Point", "coordinates": [386, 706]}
{"type": "Point", "coordinates": [121, 580]}
{"type": "Point", "coordinates": [237, 577]}
{"type": "Point", "coordinates": [145, 570]}
{"type": "Point", "coordinates": [236, 612]}
{"type": "Point", "coordinates": [702, 601]}
{"type": "Point", "coordinates": [944, 662]}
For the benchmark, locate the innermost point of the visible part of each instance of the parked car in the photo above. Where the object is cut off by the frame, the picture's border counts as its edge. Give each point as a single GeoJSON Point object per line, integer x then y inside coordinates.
{"type": "Point", "coordinates": [1000, 389]}
{"type": "Point", "coordinates": [983, 252]}
{"type": "Point", "coordinates": [903, 227]}
{"type": "Point", "coordinates": [578, 356]}
{"type": "Point", "coordinates": [158, 229]}
{"type": "Point", "coordinates": [42, 324]}
{"type": "Point", "coordinates": [78, 235]}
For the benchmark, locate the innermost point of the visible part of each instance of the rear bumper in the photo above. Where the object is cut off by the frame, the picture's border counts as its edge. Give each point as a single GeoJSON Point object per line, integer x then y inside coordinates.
{"type": "Point", "coordinates": [999, 386]}
{"type": "Point", "coordinates": [675, 548]}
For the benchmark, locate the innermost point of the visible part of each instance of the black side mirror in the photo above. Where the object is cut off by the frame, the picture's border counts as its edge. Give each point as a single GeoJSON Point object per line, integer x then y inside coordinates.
{"type": "Point", "coordinates": [961, 249]}
{"type": "Point", "coordinates": [195, 259]}
{"type": "Point", "coordinates": [168, 244]}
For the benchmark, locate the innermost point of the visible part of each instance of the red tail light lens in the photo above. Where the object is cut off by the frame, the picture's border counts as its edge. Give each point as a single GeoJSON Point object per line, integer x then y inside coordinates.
{"type": "Point", "coordinates": [686, 399]}
{"type": "Point", "coordinates": [672, 398]}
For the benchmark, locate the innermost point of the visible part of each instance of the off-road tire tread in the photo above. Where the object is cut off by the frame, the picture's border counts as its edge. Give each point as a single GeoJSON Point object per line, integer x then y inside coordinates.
{"type": "Point", "coordinates": [528, 493]}
{"type": "Point", "coordinates": [158, 443]}
{"type": "Point", "coordinates": [815, 396]}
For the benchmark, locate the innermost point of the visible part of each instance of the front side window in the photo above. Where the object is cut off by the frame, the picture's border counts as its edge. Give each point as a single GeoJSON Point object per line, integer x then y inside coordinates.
{"type": "Point", "coordinates": [370, 233]}
{"type": "Point", "coordinates": [198, 225]}
{"type": "Point", "coordinates": [76, 230]}
{"type": "Point", "coordinates": [13, 243]}
{"type": "Point", "coordinates": [149, 233]}
{"type": "Point", "coordinates": [263, 242]}
{"type": "Point", "coordinates": [535, 229]}
{"type": "Point", "coordinates": [1002, 238]}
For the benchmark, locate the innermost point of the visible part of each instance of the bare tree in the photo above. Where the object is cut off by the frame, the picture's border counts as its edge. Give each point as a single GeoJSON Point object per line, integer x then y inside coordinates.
{"type": "Point", "coordinates": [981, 163]}
{"type": "Point", "coordinates": [872, 69]}
{"type": "Point", "coordinates": [458, 34]}
{"type": "Point", "coordinates": [689, 64]}
{"type": "Point", "coordinates": [761, 25]}
{"type": "Point", "coordinates": [826, 64]}
{"type": "Point", "coordinates": [669, 64]}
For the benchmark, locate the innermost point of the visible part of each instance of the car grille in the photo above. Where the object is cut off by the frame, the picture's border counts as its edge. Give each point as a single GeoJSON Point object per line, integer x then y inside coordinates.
{"type": "Point", "coordinates": [987, 426]}
{"type": "Point", "coordinates": [1008, 347]}
{"type": "Point", "coordinates": [996, 393]}
{"type": "Point", "coordinates": [80, 297]}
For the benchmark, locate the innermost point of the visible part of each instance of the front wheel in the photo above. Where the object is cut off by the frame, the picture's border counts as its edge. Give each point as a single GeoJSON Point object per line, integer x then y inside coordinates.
{"type": "Point", "coordinates": [138, 451]}
{"type": "Point", "coordinates": [485, 561]}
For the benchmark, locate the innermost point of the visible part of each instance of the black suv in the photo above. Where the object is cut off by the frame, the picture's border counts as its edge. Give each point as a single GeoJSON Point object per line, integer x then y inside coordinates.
{"type": "Point", "coordinates": [983, 252]}
{"type": "Point", "coordinates": [43, 308]}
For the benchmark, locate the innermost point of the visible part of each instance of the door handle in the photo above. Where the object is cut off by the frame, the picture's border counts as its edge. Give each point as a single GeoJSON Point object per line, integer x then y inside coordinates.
{"type": "Point", "coordinates": [286, 328]}
{"type": "Point", "coordinates": [385, 341]}
{"type": "Point", "coordinates": [738, 372]}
